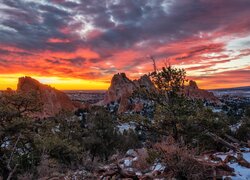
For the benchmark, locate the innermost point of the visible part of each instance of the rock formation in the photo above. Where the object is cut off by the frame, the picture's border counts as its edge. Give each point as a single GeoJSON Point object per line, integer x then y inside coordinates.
{"type": "Point", "coordinates": [53, 101]}
{"type": "Point", "coordinates": [194, 92]}
{"type": "Point", "coordinates": [122, 88]}
{"type": "Point", "coordinates": [145, 82]}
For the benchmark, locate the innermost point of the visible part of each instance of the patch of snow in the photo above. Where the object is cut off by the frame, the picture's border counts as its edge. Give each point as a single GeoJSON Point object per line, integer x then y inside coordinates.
{"type": "Point", "coordinates": [128, 162]}
{"type": "Point", "coordinates": [245, 149]}
{"type": "Point", "coordinates": [131, 153]}
{"type": "Point", "coordinates": [216, 110]}
{"type": "Point", "coordinates": [235, 127]}
{"type": "Point", "coordinates": [240, 172]}
{"type": "Point", "coordinates": [130, 169]}
{"type": "Point", "coordinates": [5, 143]}
{"type": "Point", "coordinates": [135, 158]}
{"type": "Point", "coordinates": [126, 126]}
{"type": "Point", "coordinates": [138, 173]}
{"type": "Point", "coordinates": [158, 167]}
{"type": "Point", "coordinates": [246, 156]}
{"type": "Point", "coordinates": [222, 156]}
{"type": "Point", "coordinates": [131, 156]}
{"type": "Point", "coordinates": [56, 129]}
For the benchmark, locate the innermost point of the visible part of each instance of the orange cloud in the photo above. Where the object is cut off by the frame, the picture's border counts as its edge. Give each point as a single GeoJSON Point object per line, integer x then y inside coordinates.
{"type": "Point", "coordinates": [57, 40]}
{"type": "Point", "coordinates": [226, 79]}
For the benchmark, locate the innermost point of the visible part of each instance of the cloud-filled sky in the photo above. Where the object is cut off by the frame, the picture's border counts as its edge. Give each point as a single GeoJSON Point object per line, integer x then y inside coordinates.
{"type": "Point", "coordinates": [80, 44]}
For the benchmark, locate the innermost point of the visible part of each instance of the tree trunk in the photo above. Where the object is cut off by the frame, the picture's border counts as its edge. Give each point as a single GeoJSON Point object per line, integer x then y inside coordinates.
{"type": "Point", "coordinates": [12, 172]}
{"type": "Point", "coordinates": [175, 131]}
{"type": "Point", "coordinates": [232, 139]}
{"type": "Point", "coordinates": [222, 141]}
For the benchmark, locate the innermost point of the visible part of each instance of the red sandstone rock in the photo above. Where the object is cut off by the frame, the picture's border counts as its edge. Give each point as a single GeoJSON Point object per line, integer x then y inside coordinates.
{"type": "Point", "coordinates": [192, 91]}
{"type": "Point", "coordinates": [121, 89]}
{"type": "Point", "coordinates": [138, 107]}
{"type": "Point", "coordinates": [53, 100]}
{"type": "Point", "coordinates": [145, 82]}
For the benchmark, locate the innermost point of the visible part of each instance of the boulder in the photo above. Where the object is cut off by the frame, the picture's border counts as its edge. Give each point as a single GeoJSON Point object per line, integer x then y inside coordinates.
{"type": "Point", "coordinates": [131, 153]}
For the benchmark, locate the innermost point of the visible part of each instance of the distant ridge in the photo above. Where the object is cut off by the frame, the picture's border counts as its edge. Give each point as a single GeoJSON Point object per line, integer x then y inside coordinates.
{"type": "Point", "coordinates": [242, 88]}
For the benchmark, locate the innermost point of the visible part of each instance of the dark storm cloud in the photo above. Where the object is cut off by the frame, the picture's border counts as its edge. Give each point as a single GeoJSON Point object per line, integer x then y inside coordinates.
{"type": "Point", "coordinates": [7, 52]}
{"type": "Point", "coordinates": [33, 25]}
{"type": "Point", "coordinates": [159, 22]}
{"type": "Point", "coordinates": [181, 19]}
{"type": "Point", "coordinates": [78, 61]}
{"type": "Point", "coordinates": [54, 61]}
{"type": "Point", "coordinates": [123, 23]}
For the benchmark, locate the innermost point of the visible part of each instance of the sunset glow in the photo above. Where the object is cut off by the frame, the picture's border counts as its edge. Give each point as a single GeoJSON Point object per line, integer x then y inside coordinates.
{"type": "Point", "coordinates": [74, 44]}
{"type": "Point", "coordinates": [60, 83]}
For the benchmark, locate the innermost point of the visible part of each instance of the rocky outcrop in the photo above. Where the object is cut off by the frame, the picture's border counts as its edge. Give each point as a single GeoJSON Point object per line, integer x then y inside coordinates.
{"type": "Point", "coordinates": [122, 88]}
{"type": "Point", "coordinates": [145, 82]}
{"type": "Point", "coordinates": [53, 101]}
{"type": "Point", "coordinates": [194, 92]}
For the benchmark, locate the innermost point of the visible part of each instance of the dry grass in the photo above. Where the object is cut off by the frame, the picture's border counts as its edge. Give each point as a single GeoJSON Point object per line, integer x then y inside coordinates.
{"type": "Point", "coordinates": [25, 176]}
{"type": "Point", "coordinates": [180, 161]}
{"type": "Point", "coordinates": [142, 162]}
{"type": "Point", "coordinates": [47, 167]}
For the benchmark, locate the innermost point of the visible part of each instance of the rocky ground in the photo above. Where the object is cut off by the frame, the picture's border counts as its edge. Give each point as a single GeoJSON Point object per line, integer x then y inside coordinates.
{"type": "Point", "coordinates": [226, 165]}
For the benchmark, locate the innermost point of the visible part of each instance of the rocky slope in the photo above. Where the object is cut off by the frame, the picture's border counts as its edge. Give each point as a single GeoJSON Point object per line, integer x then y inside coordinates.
{"type": "Point", "coordinates": [53, 101]}
{"type": "Point", "coordinates": [134, 165]}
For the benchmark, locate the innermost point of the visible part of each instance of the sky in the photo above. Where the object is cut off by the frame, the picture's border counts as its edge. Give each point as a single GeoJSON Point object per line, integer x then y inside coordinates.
{"type": "Point", "coordinates": [81, 44]}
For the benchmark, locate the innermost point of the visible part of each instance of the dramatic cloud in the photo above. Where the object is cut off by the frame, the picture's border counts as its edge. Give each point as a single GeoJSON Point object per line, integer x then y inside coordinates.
{"type": "Point", "coordinates": [92, 40]}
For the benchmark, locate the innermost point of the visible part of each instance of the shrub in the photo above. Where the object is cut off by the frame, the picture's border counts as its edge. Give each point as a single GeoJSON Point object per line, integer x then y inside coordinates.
{"type": "Point", "coordinates": [102, 136]}
{"type": "Point", "coordinates": [128, 140]}
{"type": "Point", "coordinates": [181, 162]}
{"type": "Point", "coordinates": [243, 133]}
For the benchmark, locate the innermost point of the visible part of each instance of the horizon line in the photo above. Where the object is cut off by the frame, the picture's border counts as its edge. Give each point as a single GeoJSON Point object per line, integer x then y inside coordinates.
{"type": "Point", "coordinates": [233, 87]}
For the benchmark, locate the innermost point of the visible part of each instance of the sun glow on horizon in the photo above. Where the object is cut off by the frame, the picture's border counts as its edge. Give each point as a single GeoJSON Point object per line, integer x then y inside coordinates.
{"type": "Point", "coordinates": [61, 83]}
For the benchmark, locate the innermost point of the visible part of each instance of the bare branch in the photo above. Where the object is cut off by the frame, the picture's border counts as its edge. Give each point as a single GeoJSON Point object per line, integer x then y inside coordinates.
{"type": "Point", "coordinates": [154, 63]}
{"type": "Point", "coordinates": [12, 172]}
{"type": "Point", "coordinates": [12, 153]}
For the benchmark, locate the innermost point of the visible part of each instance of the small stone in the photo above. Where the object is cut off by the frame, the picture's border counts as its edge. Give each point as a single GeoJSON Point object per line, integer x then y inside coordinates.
{"type": "Point", "coordinates": [131, 153]}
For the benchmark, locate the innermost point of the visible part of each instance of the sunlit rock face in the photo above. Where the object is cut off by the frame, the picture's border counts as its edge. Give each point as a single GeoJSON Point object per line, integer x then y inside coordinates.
{"type": "Point", "coordinates": [145, 82]}
{"type": "Point", "coordinates": [192, 91]}
{"type": "Point", "coordinates": [53, 101]}
{"type": "Point", "coordinates": [122, 88]}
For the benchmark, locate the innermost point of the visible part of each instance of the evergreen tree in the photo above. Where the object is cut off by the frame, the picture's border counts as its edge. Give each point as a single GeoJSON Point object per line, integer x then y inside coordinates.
{"type": "Point", "coordinates": [102, 135]}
